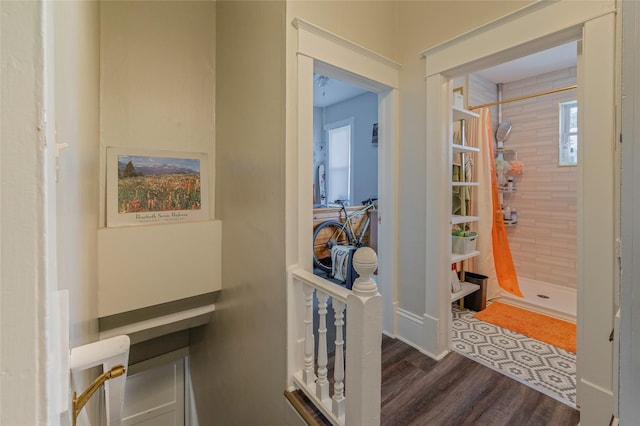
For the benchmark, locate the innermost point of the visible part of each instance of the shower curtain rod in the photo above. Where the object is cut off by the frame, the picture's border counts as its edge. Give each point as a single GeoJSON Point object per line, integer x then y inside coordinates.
{"type": "Point", "coordinates": [519, 98]}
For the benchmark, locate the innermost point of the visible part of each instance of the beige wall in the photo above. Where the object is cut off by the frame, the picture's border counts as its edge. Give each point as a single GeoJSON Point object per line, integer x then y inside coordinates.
{"type": "Point", "coordinates": [77, 101]}
{"type": "Point", "coordinates": [34, 206]}
{"type": "Point", "coordinates": [402, 30]}
{"type": "Point", "coordinates": [77, 38]}
{"type": "Point", "coordinates": [24, 277]}
{"type": "Point", "coordinates": [157, 79]}
{"type": "Point", "coordinates": [543, 244]}
{"type": "Point", "coordinates": [238, 361]}
{"type": "Point", "coordinates": [372, 24]}
{"type": "Point", "coordinates": [424, 24]}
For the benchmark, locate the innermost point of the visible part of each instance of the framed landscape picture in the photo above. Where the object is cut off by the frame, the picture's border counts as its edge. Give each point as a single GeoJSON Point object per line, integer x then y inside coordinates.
{"type": "Point", "coordinates": [147, 187]}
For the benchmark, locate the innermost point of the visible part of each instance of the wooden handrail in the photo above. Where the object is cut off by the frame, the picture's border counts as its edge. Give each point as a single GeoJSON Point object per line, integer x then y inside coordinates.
{"type": "Point", "coordinates": [306, 277]}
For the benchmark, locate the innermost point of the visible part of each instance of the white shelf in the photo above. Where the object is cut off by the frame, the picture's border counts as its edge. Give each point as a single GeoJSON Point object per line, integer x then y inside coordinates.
{"type": "Point", "coordinates": [462, 114]}
{"type": "Point", "coordinates": [510, 223]}
{"type": "Point", "coordinates": [457, 148]}
{"type": "Point", "coordinates": [456, 219]}
{"type": "Point", "coordinates": [455, 257]}
{"type": "Point", "coordinates": [467, 289]}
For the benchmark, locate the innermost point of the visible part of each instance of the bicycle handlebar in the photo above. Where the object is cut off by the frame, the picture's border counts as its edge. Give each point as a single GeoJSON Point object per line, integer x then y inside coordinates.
{"type": "Point", "coordinates": [371, 200]}
{"type": "Point", "coordinates": [368, 201]}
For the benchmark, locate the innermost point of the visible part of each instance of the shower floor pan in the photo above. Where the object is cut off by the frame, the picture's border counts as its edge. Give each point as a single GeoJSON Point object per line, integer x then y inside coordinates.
{"type": "Point", "coordinates": [549, 299]}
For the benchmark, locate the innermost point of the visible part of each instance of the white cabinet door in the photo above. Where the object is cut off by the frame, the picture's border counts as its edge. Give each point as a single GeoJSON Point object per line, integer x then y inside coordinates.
{"type": "Point", "coordinates": [155, 397]}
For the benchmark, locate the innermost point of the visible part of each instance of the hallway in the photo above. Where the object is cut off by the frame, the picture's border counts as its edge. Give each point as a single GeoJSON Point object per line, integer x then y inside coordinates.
{"type": "Point", "coordinates": [416, 390]}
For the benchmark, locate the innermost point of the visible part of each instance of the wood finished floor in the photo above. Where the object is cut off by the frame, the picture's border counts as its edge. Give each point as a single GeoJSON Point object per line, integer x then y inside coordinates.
{"type": "Point", "coordinates": [416, 390]}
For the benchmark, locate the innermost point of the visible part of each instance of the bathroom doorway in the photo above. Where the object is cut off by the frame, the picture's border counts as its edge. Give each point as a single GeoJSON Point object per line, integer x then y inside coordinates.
{"type": "Point", "coordinates": [537, 168]}
{"type": "Point", "coordinates": [540, 28]}
{"type": "Point", "coordinates": [537, 190]}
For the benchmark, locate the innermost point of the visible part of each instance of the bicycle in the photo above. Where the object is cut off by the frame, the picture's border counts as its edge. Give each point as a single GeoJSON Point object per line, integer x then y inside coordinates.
{"type": "Point", "coordinates": [332, 232]}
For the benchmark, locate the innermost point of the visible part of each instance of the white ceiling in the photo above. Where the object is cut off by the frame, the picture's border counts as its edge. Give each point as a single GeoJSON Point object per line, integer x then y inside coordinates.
{"type": "Point", "coordinates": [328, 91]}
{"type": "Point", "coordinates": [557, 58]}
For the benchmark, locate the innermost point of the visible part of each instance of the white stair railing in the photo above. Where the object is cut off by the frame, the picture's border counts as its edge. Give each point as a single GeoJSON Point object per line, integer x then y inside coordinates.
{"type": "Point", "coordinates": [356, 383]}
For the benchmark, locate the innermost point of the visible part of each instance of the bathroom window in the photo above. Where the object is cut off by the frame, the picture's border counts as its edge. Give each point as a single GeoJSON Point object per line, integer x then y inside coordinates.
{"type": "Point", "coordinates": [339, 137]}
{"type": "Point", "coordinates": [568, 153]}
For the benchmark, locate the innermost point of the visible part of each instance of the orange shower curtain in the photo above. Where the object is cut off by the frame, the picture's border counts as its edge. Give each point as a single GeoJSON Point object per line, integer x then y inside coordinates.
{"type": "Point", "coordinates": [505, 270]}
{"type": "Point", "coordinates": [501, 261]}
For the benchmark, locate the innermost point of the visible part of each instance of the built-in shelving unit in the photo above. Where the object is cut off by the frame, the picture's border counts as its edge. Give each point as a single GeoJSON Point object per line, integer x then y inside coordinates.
{"type": "Point", "coordinates": [455, 257]}
{"type": "Point", "coordinates": [457, 219]}
{"type": "Point", "coordinates": [467, 289]}
{"type": "Point", "coordinates": [464, 149]}
{"type": "Point", "coordinates": [462, 114]}
{"type": "Point", "coordinates": [461, 148]}
{"type": "Point", "coordinates": [465, 184]}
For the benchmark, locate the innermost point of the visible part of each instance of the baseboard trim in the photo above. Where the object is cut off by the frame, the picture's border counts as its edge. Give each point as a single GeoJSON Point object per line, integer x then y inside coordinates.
{"type": "Point", "coordinates": [413, 331]}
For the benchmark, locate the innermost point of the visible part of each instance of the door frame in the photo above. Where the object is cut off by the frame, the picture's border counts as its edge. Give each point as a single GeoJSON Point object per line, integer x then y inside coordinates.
{"type": "Point", "coordinates": [320, 51]}
{"type": "Point", "coordinates": [534, 28]}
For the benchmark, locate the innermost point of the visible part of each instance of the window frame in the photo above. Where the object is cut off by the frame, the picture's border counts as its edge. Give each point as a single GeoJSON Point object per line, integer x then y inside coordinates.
{"type": "Point", "coordinates": [328, 128]}
{"type": "Point", "coordinates": [567, 159]}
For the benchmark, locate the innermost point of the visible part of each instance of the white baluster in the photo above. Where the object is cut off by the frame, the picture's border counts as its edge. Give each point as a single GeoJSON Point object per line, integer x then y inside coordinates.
{"type": "Point", "coordinates": [338, 364]}
{"type": "Point", "coordinates": [322, 385]}
{"type": "Point", "coordinates": [308, 375]}
{"type": "Point", "coordinates": [364, 330]}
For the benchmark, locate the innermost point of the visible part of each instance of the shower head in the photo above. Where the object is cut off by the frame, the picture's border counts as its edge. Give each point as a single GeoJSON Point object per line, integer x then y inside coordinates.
{"type": "Point", "coordinates": [504, 129]}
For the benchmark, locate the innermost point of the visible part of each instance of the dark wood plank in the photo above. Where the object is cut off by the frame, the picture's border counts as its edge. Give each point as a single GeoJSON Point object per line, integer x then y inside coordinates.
{"type": "Point", "coordinates": [417, 390]}
{"type": "Point", "coordinates": [309, 413]}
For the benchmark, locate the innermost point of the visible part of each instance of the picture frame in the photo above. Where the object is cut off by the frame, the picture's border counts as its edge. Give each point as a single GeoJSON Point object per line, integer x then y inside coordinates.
{"type": "Point", "coordinates": [149, 187]}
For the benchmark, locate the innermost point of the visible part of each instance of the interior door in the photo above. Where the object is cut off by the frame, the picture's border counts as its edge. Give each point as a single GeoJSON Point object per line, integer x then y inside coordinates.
{"type": "Point", "coordinates": [155, 397]}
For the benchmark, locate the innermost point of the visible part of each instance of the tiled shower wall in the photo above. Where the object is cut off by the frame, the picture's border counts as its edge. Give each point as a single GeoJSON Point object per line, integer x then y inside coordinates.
{"type": "Point", "coordinates": [543, 244]}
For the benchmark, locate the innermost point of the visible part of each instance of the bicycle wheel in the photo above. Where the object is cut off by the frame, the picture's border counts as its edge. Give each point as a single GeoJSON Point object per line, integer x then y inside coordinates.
{"type": "Point", "coordinates": [325, 236]}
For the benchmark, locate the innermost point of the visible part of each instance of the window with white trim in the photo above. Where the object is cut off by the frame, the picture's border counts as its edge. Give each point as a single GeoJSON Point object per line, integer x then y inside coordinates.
{"type": "Point", "coordinates": [568, 152]}
{"type": "Point", "coordinates": [339, 136]}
